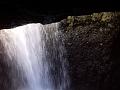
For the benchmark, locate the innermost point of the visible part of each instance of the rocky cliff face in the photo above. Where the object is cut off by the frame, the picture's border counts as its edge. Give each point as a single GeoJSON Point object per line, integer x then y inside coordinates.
{"type": "Point", "coordinates": [93, 47]}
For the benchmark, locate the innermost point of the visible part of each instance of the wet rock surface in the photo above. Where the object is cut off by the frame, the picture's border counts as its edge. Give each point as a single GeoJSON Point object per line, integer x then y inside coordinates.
{"type": "Point", "coordinates": [93, 47]}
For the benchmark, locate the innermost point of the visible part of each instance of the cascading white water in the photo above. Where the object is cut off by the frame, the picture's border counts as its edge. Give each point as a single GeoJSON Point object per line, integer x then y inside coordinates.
{"type": "Point", "coordinates": [39, 55]}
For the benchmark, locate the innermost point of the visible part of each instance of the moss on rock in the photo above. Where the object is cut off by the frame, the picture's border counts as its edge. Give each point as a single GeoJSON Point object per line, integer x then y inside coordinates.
{"type": "Point", "coordinates": [101, 18]}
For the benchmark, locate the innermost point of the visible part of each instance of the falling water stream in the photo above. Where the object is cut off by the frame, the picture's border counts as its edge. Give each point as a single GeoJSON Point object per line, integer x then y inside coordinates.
{"type": "Point", "coordinates": [38, 56]}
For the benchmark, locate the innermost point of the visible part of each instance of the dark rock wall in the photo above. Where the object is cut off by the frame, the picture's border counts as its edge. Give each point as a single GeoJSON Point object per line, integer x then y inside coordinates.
{"type": "Point", "coordinates": [93, 47]}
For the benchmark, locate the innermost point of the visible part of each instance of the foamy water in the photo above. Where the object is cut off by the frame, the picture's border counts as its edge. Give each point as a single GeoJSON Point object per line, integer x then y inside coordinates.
{"type": "Point", "coordinates": [39, 53]}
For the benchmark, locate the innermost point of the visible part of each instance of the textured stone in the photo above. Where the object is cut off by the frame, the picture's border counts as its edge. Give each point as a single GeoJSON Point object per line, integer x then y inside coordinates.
{"type": "Point", "coordinates": [93, 47]}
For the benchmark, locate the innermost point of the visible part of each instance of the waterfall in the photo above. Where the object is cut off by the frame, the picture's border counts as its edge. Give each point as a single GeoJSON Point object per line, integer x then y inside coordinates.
{"type": "Point", "coordinates": [36, 55]}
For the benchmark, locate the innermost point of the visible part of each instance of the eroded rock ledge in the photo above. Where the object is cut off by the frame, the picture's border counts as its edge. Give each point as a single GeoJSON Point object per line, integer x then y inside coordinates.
{"type": "Point", "coordinates": [93, 47]}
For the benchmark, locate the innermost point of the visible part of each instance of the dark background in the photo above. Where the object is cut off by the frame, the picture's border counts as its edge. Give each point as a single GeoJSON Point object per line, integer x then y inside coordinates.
{"type": "Point", "coordinates": [18, 12]}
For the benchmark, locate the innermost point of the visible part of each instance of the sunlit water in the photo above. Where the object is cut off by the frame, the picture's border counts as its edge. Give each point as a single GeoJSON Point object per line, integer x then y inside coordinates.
{"type": "Point", "coordinates": [39, 55]}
